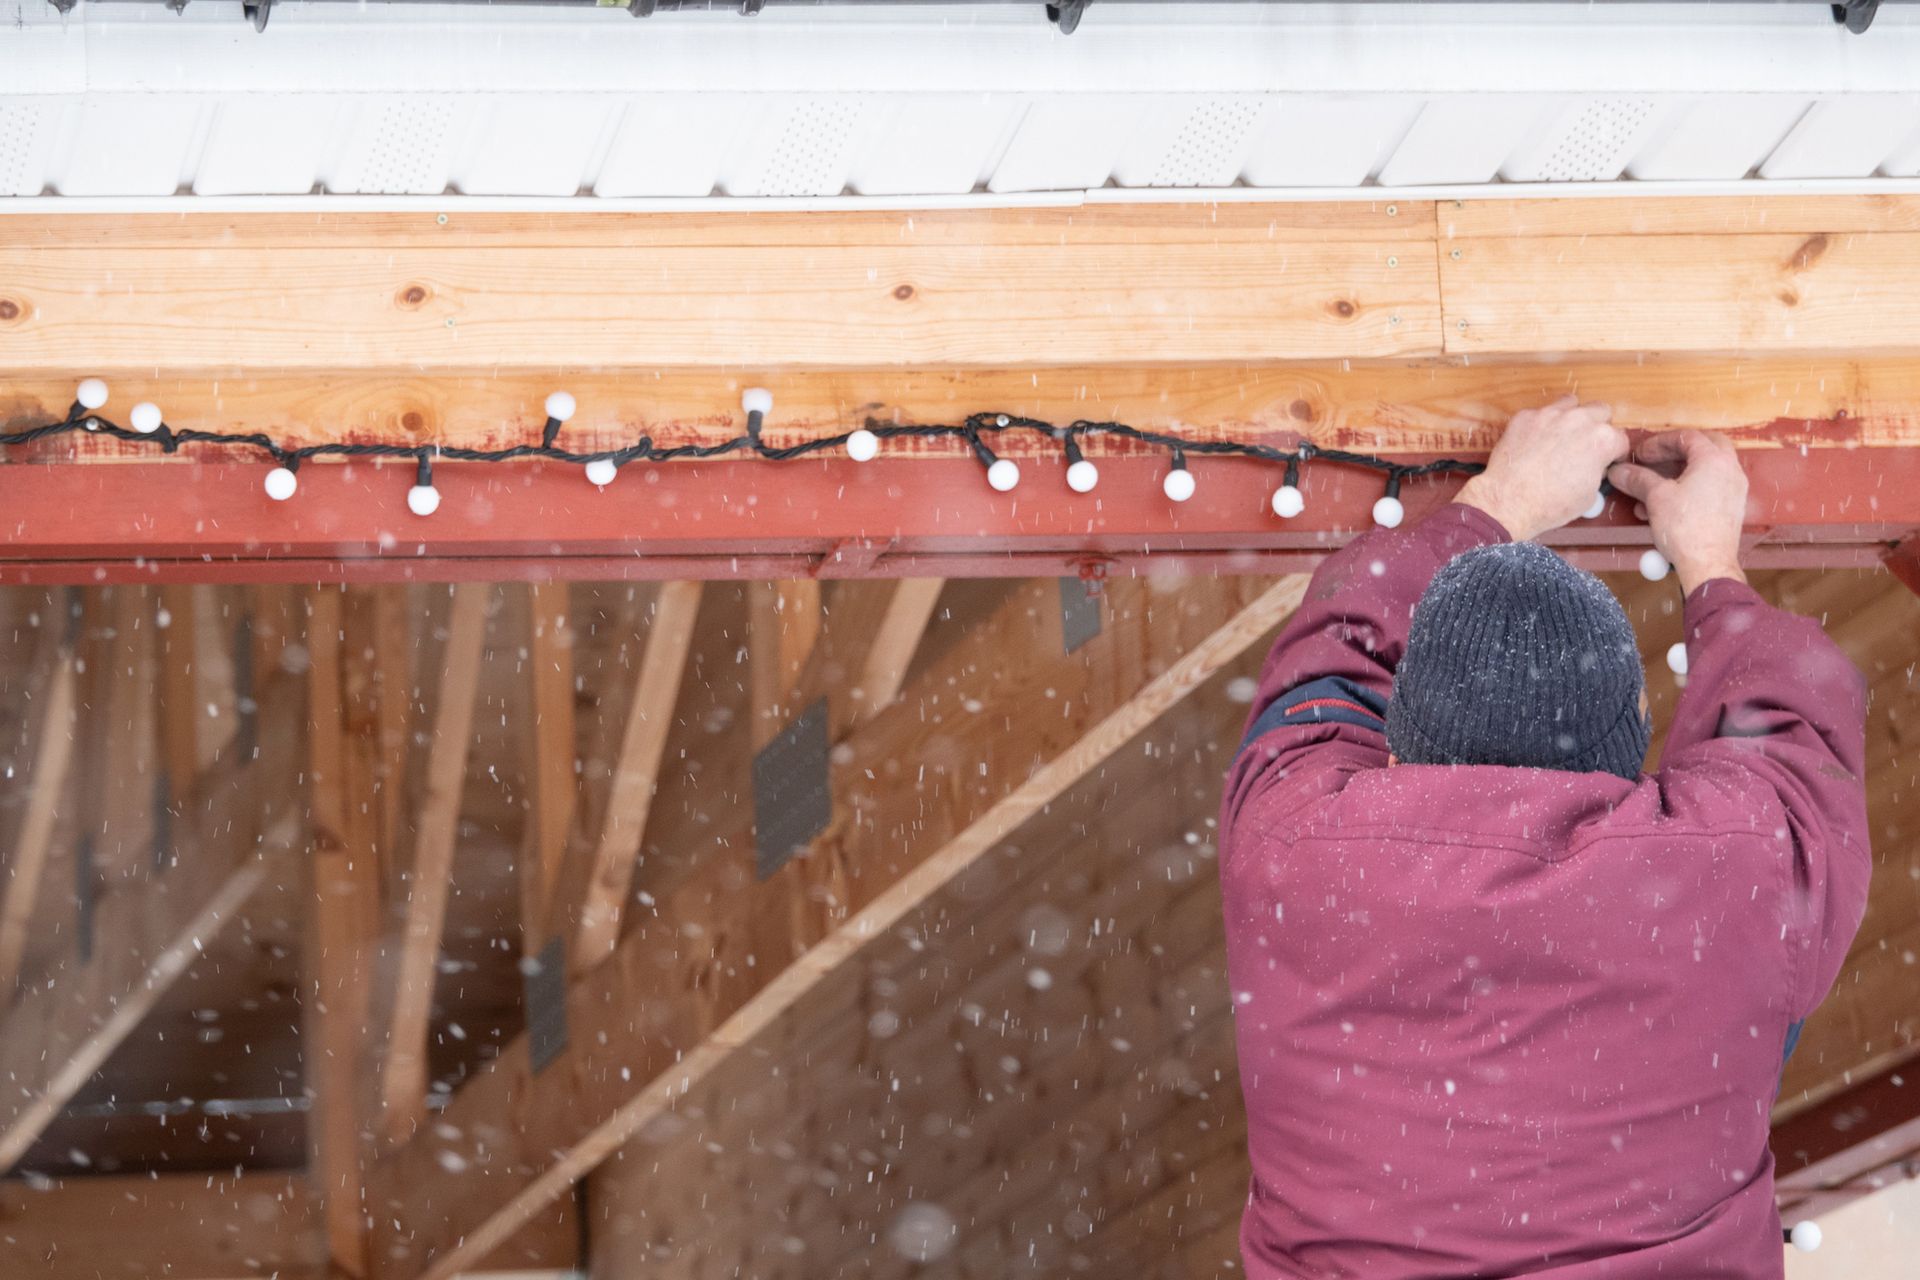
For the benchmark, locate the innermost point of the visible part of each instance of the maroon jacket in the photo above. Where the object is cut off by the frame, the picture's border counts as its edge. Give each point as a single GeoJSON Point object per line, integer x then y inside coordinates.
{"type": "Point", "coordinates": [1501, 1021]}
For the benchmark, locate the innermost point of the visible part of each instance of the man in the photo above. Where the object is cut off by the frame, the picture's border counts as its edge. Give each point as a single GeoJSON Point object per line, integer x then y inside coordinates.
{"type": "Point", "coordinates": [1505, 1005]}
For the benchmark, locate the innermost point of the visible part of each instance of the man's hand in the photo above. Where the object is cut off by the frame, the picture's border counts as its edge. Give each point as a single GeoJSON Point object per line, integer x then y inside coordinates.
{"type": "Point", "coordinates": [1547, 468]}
{"type": "Point", "coordinates": [1696, 515]}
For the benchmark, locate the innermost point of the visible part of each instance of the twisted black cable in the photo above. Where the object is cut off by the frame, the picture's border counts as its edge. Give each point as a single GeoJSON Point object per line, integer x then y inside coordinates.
{"type": "Point", "coordinates": [169, 440]}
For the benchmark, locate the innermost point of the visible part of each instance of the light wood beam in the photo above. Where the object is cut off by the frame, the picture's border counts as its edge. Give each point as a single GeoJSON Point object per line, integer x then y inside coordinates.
{"type": "Point", "coordinates": [1741, 295]}
{"type": "Point", "coordinates": [1180, 284]}
{"type": "Point", "coordinates": [404, 1078]}
{"type": "Point", "coordinates": [909, 610]}
{"type": "Point", "coordinates": [344, 919]}
{"type": "Point", "coordinates": [628, 1054]}
{"type": "Point", "coordinates": [53, 739]}
{"type": "Point", "coordinates": [556, 785]}
{"type": "Point", "coordinates": [783, 626]}
{"type": "Point", "coordinates": [610, 868]}
{"type": "Point", "coordinates": [180, 710]}
{"type": "Point", "coordinates": [244, 820]}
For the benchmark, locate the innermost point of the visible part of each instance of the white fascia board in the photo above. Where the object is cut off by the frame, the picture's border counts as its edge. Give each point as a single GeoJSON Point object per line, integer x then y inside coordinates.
{"type": "Point", "coordinates": [336, 204]}
{"type": "Point", "coordinates": [1119, 48]}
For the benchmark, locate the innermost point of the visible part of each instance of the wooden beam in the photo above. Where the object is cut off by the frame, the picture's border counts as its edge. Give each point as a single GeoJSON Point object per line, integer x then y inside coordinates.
{"type": "Point", "coordinates": [1239, 289]}
{"type": "Point", "coordinates": [192, 1226]}
{"type": "Point", "coordinates": [556, 785]}
{"type": "Point", "coordinates": [606, 875]}
{"type": "Point", "coordinates": [344, 920]}
{"type": "Point", "coordinates": [1677, 216]}
{"type": "Point", "coordinates": [909, 610]}
{"type": "Point", "coordinates": [1743, 295]}
{"type": "Point", "coordinates": [404, 1078]}
{"type": "Point", "coordinates": [1849, 1139]}
{"type": "Point", "coordinates": [244, 821]}
{"type": "Point", "coordinates": [175, 619]}
{"type": "Point", "coordinates": [221, 1226]}
{"type": "Point", "coordinates": [628, 1051]}
{"type": "Point", "coordinates": [53, 737]}
{"type": "Point", "coordinates": [783, 626]}
{"type": "Point", "coordinates": [1903, 562]}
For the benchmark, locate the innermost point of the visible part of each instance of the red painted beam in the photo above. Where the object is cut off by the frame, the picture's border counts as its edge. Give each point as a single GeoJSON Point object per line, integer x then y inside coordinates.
{"type": "Point", "coordinates": [1869, 1133]}
{"type": "Point", "coordinates": [189, 521]}
{"type": "Point", "coordinates": [1903, 561]}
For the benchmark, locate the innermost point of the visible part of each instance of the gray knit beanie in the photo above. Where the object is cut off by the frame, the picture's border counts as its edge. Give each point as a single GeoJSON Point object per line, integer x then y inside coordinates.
{"type": "Point", "coordinates": [1518, 658]}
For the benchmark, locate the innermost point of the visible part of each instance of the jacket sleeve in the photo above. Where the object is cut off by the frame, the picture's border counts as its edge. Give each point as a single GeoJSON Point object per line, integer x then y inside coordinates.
{"type": "Point", "coordinates": [1322, 698]}
{"type": "Point", "coordinates": [1773, 708]}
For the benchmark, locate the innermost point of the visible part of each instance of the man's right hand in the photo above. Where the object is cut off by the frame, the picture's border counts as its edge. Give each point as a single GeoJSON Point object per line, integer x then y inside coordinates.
{"type": "Point", "coordinates": [1691, 488]}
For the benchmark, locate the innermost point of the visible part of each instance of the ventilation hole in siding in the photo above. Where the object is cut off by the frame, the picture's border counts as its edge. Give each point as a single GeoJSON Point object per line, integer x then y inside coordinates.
{"type": "Point", "coordinates": [810, 157]}
{"type": "Point", "coordinates": [1211, 143]}
{"type": "Point", "coordinates": [407, 154]}
{"type": "Point", "coordinates": [1594, 148]}
{"type": "Point", "coordinates": [19, 127]}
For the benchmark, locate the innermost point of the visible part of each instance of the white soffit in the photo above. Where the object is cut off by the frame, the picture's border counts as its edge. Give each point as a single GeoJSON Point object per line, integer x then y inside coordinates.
{"type": "Point", "coordinates": [134, 104]}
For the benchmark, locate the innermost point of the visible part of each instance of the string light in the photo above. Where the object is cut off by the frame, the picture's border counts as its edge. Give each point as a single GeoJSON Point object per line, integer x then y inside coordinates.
{"type": "Point", "coordinates": [1805, 1236]}
{"type": "Point", "coordinates": [1653, 565]}
{"type": "Point", "coordinates": [1677, 657]}
{"type": "Point", "coordinates": [281, 483]}
{"type": "Point", "coordinates": [1599, 507]}
{"type": "Point", "coordinates": [861, 444]}
{"type": "Point", "coordinates": [1288, 501]}
{"type": "Point", "coordinates": [1387, 512]}
{"type": "Point", "coordinates": [1178, 485]}
{"type": "Point", "coordinates": [423, 499]}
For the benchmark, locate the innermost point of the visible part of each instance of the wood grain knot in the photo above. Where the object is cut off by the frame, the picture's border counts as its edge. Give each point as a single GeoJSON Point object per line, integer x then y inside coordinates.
{"type": "Point", "coordinates": [9, 309]}
{"type": "Point", "coordinates": [1344, 309]}
{"type": "Point", "coordinates": [904, 292]}
{"type": "Point", "coordinates": [414, 295]}
{"type": "Point", "coordinates": [1809, 252]}
{"type": "Point", "coordinates": [414, 421]}
{"type": "Point", "coordinates": [1788, 298]}
{"type": "Point", "coordinates": [1301, 411]}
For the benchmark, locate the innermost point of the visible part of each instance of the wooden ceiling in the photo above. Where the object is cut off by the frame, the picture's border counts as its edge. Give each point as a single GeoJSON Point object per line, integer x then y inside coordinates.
{"type": "Point", "coordinates": [1032, 1065]}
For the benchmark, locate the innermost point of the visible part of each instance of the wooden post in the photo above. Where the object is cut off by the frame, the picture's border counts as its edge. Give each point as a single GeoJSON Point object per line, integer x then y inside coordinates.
{"type": "Point", "coordinates": [404, 1078]}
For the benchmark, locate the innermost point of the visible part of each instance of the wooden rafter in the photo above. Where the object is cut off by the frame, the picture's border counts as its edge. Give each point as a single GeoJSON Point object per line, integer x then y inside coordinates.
{"type": "Point", "coordinates": [53, 740]}
{"type": "Point", "coordinates": [909, 610]}
{"type": "Point", "coordinates": [556, 787]}
{"type": "Point", "coordinates": [429, 877]}
{"type": "Point", "coordinates": [606, 880]}
{"type": "Point", "coordinates": [622, 1042]}
{"type": "Point", "coordinates": [58, 1034]}
{"type": "Point", "coordinates": [180, 706]}
{"type": "Point", "coordinates": [783, 626]}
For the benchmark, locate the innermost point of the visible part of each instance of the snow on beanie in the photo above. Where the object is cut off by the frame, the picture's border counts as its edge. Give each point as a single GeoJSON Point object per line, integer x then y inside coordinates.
{"type": "Point", "coordinates": [1518, 658]}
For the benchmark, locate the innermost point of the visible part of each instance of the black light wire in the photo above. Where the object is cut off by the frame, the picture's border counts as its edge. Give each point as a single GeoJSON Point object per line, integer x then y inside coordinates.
{"type": "Point", "coordinates": [169, 439]}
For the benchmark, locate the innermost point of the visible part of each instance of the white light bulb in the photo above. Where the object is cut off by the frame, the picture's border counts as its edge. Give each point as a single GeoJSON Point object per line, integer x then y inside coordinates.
{"type": "Point", "coordinates": [1178, 484]}
{"type": "Point", "coordinates": [601, 471]}
{"type": "Point", "coordinates": [1598, 508]}
{"type": "Point", "coordinates": [1388, 513]}
{"type": "Point", "coordinates": [423, 499]}
{"type": "Point", "coordinates": [560, 406]}
{"type": "Point", "coordinates": [1677, 658]}
{"type": "Point", "coordinates": [757, 400]}
{"type": "Point", "coordinates": [1288, 502]}
{"type": "Point", "coordinates": [863, 445]}
{"type": "Point", "coordinates": [145, 417]}
{"type": "Point", "coordinates": [92, 393]}
{"type": "Point", "coordinates": [1806, 1236]}
{"type": "Point", "coordinates": [1653, 565]}
{"type": "Point", "coordinates": [1003, 474]}
{"type": "Point", "coordinates": [281, 484]}
{"type": "Point", "coordinates": [1082, 476]}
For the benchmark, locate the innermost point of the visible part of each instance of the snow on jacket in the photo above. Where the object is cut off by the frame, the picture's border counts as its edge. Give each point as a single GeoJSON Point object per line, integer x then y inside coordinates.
{"type": "Point", "coordinates": [1500, 1021]}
